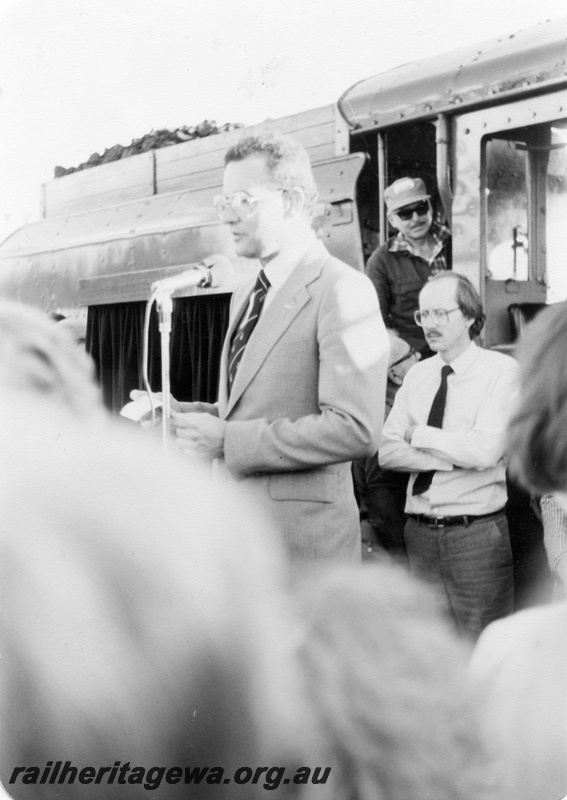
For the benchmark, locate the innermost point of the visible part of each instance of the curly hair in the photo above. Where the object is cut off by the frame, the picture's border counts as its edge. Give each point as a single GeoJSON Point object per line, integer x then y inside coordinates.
{"type": "Point", "coordinates": [288, 162]}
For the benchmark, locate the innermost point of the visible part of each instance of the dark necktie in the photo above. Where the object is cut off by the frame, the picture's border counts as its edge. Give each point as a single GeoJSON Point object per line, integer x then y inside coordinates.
{"type": "Point", "coordinates": [240, 340]}
{"type": "Point", "coordinates": [435, 420]}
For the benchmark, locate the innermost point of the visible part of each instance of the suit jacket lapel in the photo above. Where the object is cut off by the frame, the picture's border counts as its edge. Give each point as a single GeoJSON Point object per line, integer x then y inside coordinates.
{"type": "Point", "coordinates": [275, 320]}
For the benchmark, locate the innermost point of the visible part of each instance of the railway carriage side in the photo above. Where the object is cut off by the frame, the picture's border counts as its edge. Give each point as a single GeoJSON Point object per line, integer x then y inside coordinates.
{"type": "Point", "coordinates": [484, 126]}
{"type": "Point", "coordinates": [486, 129]}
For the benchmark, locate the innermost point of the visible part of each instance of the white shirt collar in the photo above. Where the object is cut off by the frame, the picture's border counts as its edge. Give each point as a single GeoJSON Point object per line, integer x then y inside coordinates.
{"type": "Point", "coordinates": [462, 362]}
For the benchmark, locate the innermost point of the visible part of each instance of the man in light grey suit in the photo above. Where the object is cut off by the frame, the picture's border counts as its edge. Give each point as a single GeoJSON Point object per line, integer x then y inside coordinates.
{"type": "Point", "coordinates": [303, 369]}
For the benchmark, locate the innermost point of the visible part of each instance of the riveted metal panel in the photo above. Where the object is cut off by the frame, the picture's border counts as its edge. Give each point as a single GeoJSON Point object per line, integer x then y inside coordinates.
{"type": "Point", "coordinates": [522, 63]}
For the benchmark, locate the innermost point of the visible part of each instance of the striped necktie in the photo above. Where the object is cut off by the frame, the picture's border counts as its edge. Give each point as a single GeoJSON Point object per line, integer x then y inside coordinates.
{"type": "Point", "coordinates": [435, 420]}
{"type": "Point", "coordinates": [240, 340]}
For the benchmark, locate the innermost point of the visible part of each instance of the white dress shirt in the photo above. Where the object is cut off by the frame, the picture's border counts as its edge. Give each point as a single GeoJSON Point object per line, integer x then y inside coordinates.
{"type": "Point", "coordinates": [468, 451]}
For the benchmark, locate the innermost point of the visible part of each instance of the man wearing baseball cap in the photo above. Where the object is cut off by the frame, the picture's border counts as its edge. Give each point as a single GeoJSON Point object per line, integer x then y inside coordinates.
{"type": "Point", "coordinates": [399, 270]}
{"type": "Point", "coordinates": [402, 266]}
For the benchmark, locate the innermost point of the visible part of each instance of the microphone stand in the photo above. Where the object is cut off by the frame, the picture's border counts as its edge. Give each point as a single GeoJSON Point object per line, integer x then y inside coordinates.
{"type": "Point", "coordinates": [165, 308]}
{"type": "Point", "coordinates": [200, 274]}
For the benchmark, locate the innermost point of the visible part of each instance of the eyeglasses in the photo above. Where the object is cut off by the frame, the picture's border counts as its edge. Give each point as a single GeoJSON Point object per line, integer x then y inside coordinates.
{"type": "Point", "coordinates": [439, 316]}
{"type": "Point", "coordinates": [411, 352]}
{"type": "Point", "coordinates": [421, 209]}
{"type": "Point", "coordinates": [243, 205]}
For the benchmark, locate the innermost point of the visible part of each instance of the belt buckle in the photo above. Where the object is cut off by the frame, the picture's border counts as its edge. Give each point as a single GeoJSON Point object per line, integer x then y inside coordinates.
{"type": "Point", "coordinates": [437, 522]}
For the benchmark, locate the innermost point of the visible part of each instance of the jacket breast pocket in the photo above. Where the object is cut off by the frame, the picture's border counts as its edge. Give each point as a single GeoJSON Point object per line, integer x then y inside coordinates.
{"type": "Point", "coordinates": [313, 486]}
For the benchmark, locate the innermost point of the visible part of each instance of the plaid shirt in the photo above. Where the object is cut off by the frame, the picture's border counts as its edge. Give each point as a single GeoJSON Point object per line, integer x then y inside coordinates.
{"type": "Point", "coordinates": [438, 260]}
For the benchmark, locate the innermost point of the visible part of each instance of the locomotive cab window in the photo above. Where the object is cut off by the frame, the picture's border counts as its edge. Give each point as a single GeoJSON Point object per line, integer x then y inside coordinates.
{"type": "Point", "coordinates": [506, 210]}
{"type": "Point", "coordinates": [526, 205]}
{"type": "Point", "coordinates": [409, 150]}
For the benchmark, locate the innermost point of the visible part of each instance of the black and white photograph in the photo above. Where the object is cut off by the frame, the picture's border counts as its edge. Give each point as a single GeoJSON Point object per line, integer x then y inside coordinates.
{"type": "Point", "coordinates": [283, 400]}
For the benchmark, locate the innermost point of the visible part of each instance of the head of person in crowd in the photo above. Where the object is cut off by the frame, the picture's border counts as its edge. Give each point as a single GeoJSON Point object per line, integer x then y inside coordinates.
{"type": "Point", "coordinates": [144, 624]}
{"type": "Point", "coordinates": [538, 430]}
{"type": "Point", "coordinates": [268, 194]}
{"type": "Point", "coordinates": [450, 313]}
{"type": "Point", "coordinates": [39, 358]}
{"type": "Point", "coordinates": [409, 208]}
{"type": "Point", "coordinates": [76, 328]}
{"type": "Point", "coordinates": [386, 677]}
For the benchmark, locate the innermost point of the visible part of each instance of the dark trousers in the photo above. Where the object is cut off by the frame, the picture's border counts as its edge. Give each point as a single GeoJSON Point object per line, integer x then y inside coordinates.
{"type": "Point", "coordinates": [471, 565]}
{"type": "Point", "coordinates": [382, 497]}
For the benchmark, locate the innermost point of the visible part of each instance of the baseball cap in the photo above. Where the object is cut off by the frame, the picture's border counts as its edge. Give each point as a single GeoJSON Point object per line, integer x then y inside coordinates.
{"type": "Point", "coordinates": [404, 192]}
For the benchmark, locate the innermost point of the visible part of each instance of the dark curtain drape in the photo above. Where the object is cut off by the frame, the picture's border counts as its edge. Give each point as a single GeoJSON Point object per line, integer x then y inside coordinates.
{"type": "Point", "coordinates": [114, 340]}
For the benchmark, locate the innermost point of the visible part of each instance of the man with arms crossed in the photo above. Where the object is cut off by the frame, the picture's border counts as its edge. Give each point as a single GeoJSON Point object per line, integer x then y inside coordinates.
{"type": "Point", "coordinates": [399, 269]}
{"type": "Point", "coordinates": [303, 369]}
{"type": "Point", "coordinates": [448, 428]}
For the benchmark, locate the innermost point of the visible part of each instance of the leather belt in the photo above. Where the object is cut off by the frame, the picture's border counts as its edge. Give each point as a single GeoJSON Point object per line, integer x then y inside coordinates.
{"type": "Point", "coordinates": [444, 522]}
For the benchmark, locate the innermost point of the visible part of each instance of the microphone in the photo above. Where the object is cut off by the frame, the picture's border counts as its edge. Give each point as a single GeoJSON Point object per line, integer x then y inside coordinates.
{"type": "Point", "coordinates": [210, 272]}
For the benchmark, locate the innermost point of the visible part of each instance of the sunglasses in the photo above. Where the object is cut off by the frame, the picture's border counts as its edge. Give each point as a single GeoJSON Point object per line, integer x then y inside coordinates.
{"type": "Point", "coordinates": [421, 209]}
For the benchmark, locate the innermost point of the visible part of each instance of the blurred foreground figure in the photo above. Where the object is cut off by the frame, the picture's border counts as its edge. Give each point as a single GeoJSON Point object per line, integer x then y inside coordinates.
{"type": "Point", "coordinates": [143, 625]}
{"type": "Point", "coordinates": [520, 663]}
{"type": "Point", "coordinates": [39, 358]}
{"type": "Point", "coordinates": [76, 328]}
{"type": "Point", "coordinates": [538, 433]}
{"type": "Point", "coordinates": [554, 520]}
{"type": "Point", "coordinates": [386, 677]}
